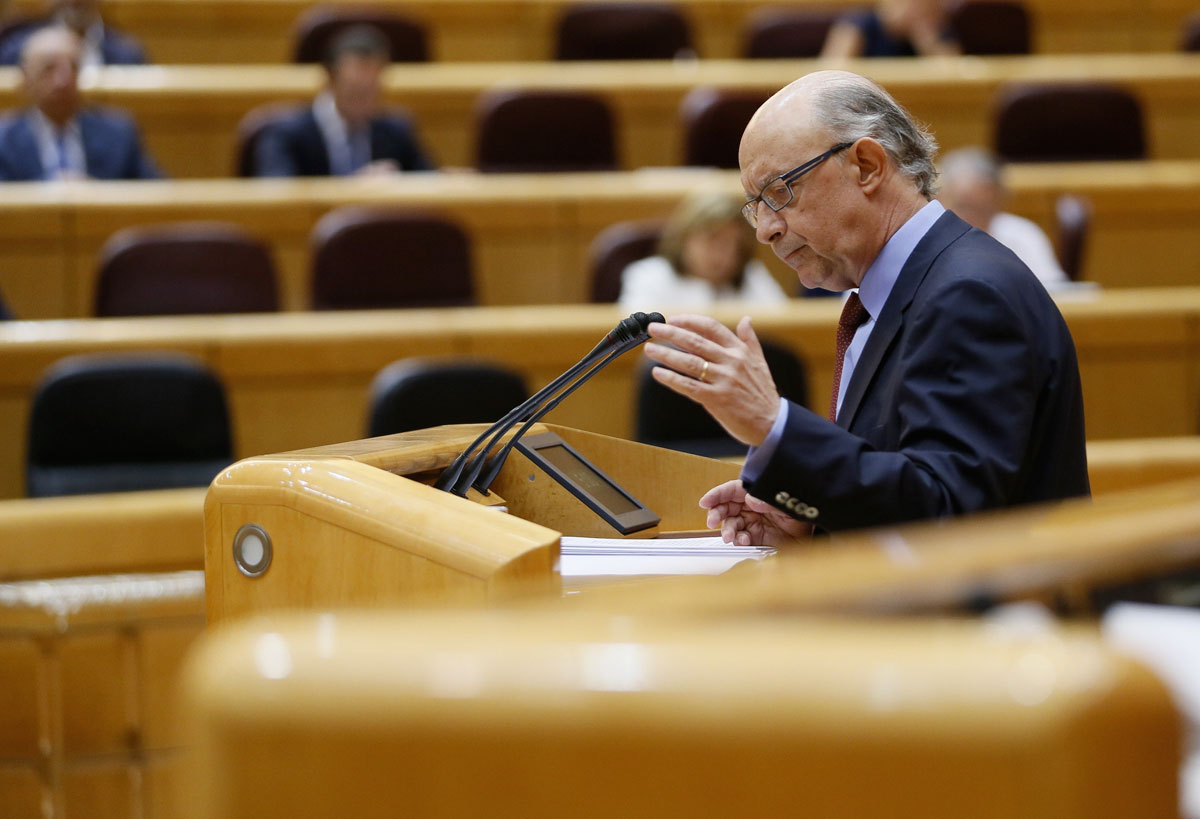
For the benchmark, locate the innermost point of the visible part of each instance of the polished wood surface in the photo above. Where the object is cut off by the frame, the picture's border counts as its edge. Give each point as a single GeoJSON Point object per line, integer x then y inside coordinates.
{"type": "Point", "coordinates": [257, 31]}
{"type": "Point", "coordinates": [744, 714]}
{"type": "Point", "coordinates": [101, 534]}
{"type": "Point", "coordinates": [88, 666]}
{"type": "Point", "coordinates": [189, 114]}
{"type": "Point", "coordinates": [530, 233]}
{"type": "Point", "coordinates": [1069, 555]}
{"type": "Point", "coordinates": [365, 527]}
{"type": "Point", "coordinates": [1117, 465]}
{"type": "Point", "coordinates": [295, 380]}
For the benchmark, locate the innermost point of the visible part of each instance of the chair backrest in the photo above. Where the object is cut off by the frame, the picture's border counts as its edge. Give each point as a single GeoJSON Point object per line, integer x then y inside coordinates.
{"type": "Point", "coordinates": [991, 26]}
{"type": "Point", "coordinates": [537, 131]}
{"type": "Point", "coordinates": [1052, 122]}
{"type": "Point", "coordinates": [377, 257]}
{"type": "Point", "coordinates": [667, 419]}
{"type": "Point", "coordinates": [420, 393]}
{"type": "Point", "coordinates": [615, 248]}
{"type": "Point", "coordinates": [185, 268]}
{"type": "Point", "coordinates": [111, 423]}
{"type": "Point", "coordinates": [776, 34]}
{"type": "Point", "coordinates": [621, 31]}
{"type": "Point", "coordinates": [251, 127]}
{"type": "Point", "coordinates": [407, 39]}
{"type": "Point", "coordinates": [1074, 215]}
{"type": "Point", "coordinates": [713, 122]}
{"type": "Point", "coordinates": [1190, 39]}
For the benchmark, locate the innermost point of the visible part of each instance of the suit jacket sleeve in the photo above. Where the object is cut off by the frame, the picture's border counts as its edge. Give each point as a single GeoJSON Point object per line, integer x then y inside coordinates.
{"type": "Point", "coordinates": [959, 405]}
{"type": "Point", "coordinates": [273, 156]}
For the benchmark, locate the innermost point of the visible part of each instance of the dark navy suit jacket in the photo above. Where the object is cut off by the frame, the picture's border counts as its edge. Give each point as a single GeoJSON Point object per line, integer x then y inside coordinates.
{"type": "Point", "coordinates": [116, 47]}
{"type": "Point", "coordinates": [111, 146]}
{"type": "Point", "coordinates": [294, 146]}
{"type": "Point", "coordinates": [966, 397]}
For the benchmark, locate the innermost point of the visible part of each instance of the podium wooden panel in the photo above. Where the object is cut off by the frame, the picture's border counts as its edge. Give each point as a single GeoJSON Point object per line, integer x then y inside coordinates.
{"type": "Point", "coordinates": [359, 524]}
{"type": "Point", "coordinates": [542, 714]}
{"type": "Point", "coordinates": [189, 114]}
{"type": "Point", "coordinates": [257, 31]}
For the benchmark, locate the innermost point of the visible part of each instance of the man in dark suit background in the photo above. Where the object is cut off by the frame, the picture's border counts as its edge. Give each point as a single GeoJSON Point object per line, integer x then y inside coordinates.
{"type": "Point", "coordinates": [56, 138]}
{"type": "Point", "coordinates": [102, 44]}
{"type": "Point", "coordinates": [345, 131]}
{"type": "Point", "coordinates": [960, 388]}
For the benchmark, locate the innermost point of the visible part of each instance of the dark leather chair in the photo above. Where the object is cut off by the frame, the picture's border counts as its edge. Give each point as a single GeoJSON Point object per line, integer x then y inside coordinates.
{"type": "Point", "coordinates": [420, 393]}
{"type": "Point", "coordinates": [407, 39]}
{"type": "Point", "coordinates": [990, 26]}
{"type": "Point", "coordinates": [251, 127]}
{"type": "Point", "coordinates": [622, 31]}
{"type": "Point", "coordinates": [665, 418]}
{"type": "Point", "coordinates": [1074, 216]}
{"type": "Point", "coordinates": [784, 34]}
{"type": "Point", "coordinates": [1068, 122]}
{"type": "Point", "coordinates": [713, 122]}
{"type": "Point", "coordinates": [615, 248]}
{"type": "Point", "coordinates": [379, 257]}
{"type": "Point", "coordinates": [185, 268]}
{"type": "Point", "coordinates": [1190, 41]}
{"type": "Point", "coordinates": [538, 131]}
{"type": "Point", "coordinates": [109, 423]}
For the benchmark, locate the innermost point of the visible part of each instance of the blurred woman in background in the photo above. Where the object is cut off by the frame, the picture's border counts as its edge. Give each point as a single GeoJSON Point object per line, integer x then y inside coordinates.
{"type": "Point", "coordinates": [705, 255]}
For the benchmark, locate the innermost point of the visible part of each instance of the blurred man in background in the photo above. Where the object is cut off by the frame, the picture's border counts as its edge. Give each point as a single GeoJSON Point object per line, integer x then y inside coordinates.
{"type": "Point", "coordinates": [972, 186]}
{"type": "Point", "coordinates": [56, 137]}
{"type": "Point", "coordinates": [346, 131]}
{"type": "Point", "coordinates": [102, 44]}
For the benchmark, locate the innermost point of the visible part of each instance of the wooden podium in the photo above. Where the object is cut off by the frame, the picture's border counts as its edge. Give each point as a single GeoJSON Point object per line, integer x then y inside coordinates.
{"type": "Point", "coordinates": [359, 524]}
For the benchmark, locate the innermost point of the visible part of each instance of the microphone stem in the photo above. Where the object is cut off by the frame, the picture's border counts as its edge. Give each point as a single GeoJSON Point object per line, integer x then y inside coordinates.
{"type": "Point", "coordinates": [484, 482]}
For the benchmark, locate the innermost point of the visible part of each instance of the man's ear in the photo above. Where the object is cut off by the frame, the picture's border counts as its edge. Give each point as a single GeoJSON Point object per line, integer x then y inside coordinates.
{"type": "Point", "coordinates": [871, 161]}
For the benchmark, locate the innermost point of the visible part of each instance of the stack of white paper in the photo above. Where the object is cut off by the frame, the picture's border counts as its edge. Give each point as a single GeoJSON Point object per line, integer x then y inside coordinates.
{"type": "Point", "coordinates": [586, 559]}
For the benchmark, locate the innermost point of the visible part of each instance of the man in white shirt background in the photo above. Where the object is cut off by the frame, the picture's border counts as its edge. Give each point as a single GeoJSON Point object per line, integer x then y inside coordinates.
{"type": "Point", "coordinates": [972, 186]}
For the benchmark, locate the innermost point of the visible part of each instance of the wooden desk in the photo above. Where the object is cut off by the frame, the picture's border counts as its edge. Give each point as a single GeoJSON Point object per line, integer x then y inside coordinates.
{"type": "Point", "coordinates": [296, 380]}
{"type": "Point", "coordinates": [531, 233]}
{"type": "Point", "coordinates": [189, 113]}
{"type": "Point", "coordinates": [259, 31]}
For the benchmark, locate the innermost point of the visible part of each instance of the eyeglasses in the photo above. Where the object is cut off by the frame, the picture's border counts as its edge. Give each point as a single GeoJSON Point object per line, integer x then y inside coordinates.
{"type": "Point", "coordinates": [777, 193]}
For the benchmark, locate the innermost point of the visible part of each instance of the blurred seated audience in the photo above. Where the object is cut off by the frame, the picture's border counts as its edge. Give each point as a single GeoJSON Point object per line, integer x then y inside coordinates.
{"type": "Point", "coordinates": [102, 44]}
{"type": "Point", "coordinates": [58, 138]}
{"type": "Point", "coordinates": [346, 130]}
{"type": "Point", "coordinates": [706, 255]}
{"type": "Point", "coordinates": [972, 186]}
{"type": "Point", "coordinates": [894, 28]}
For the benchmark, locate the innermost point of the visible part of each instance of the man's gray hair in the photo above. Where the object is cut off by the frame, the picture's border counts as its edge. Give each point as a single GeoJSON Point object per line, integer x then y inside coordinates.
{"type": "Point", "coordinates": [853, 108]}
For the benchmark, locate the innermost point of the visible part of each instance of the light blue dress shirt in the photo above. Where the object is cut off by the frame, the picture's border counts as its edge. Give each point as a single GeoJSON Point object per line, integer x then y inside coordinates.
{"type": "Point", "coordinates": [876, 286]}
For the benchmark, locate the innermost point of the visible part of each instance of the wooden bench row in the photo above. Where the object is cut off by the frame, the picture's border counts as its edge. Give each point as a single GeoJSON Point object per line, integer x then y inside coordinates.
{"type": "Point", "coordinates": [259, 31]}
{"type": "Point", "coordinates": [297, 380]}
{"type": "Point", "coordinates": [190, 114]}
{"type": "Point", "coordinates": [530, 234]}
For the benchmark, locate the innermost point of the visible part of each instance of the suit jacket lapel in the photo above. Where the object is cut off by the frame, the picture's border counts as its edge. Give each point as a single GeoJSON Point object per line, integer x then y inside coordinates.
{"type": "Point", "coordinates": [945, 230]}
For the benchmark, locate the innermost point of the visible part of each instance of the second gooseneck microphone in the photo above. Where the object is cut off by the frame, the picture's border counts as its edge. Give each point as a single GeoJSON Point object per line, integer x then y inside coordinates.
{"type": "Point", "coordinates": [467, 468]}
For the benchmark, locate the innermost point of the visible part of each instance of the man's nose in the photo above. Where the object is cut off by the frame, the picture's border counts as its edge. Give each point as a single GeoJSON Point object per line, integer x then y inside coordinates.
{"type": "Point", "coordinates": [770, 225]}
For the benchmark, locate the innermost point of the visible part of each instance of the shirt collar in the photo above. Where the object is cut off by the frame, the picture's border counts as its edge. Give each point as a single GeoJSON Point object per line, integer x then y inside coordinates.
{"type": "Point", "coordinates": [881, 276]}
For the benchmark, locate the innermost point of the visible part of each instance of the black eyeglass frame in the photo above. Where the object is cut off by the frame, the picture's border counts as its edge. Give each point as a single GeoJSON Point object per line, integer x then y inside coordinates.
{"type": "Point", "coordinates": [750, 209]}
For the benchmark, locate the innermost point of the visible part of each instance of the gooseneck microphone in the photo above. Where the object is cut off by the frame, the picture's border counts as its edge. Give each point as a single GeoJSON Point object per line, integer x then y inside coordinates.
{"type": "Point", "coordinates": [466, 468]}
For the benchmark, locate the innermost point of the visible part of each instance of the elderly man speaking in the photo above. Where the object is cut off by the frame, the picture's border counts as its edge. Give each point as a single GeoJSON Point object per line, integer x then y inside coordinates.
{"type": "Point", "coordinates": [956, 386]}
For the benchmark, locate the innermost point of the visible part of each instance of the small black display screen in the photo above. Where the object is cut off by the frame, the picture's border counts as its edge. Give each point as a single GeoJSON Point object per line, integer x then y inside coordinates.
{"type": "Point", "coordinates": [587, 479]}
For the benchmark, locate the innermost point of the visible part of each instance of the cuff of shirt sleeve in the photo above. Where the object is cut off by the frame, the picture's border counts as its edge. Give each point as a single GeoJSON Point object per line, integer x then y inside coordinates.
{"type": "Point", "coordinates": [759, 456]}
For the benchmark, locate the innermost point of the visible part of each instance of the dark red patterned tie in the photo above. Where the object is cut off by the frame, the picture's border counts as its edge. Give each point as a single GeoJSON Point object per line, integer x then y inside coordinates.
{"type": "Point", "coordinates": [853, 316]}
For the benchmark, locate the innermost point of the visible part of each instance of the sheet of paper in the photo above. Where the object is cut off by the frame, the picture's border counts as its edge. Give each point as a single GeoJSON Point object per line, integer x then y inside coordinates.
{"type": "Point", "coordinates": [584, 558]}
